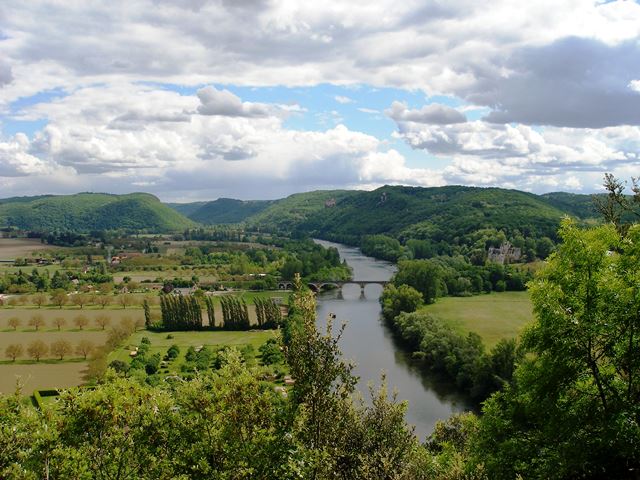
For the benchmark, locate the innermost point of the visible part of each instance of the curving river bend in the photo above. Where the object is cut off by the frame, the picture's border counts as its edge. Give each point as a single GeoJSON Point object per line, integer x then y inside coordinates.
{"type": "Point", "coordinates": [368, 341]}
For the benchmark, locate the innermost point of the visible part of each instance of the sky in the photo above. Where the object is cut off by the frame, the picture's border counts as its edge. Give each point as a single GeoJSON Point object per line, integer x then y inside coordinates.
{"type": "Point", "coordinates": [257, 99]}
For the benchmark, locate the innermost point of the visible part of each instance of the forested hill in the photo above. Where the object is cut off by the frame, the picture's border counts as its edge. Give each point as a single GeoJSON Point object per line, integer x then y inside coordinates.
{"type": "Point", "coordinates": [406, 212]}
{"type": "Point", "coordinates": [91, 211]}
{"type": "Point", "coordinates": [581, 206]}
{"type": "Point", "coordinates": [438, 213]}
{"type": "Point", "coordinates": [221, 211]}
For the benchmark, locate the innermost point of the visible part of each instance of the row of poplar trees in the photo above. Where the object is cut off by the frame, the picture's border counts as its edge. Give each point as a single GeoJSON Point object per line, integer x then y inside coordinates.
{"type": "Point", "coordinates": [180, 312]}
{"type": "Point", "coordinates": [235, 314]}
{"type": "Point", "coordinates": [268, 313]}
{"type": "Point", "coordinates": [184, 313]}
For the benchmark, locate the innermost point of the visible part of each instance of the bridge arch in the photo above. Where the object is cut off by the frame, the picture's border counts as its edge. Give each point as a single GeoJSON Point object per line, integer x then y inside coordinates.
{"type": "Point", "coordinates": [317, 287]}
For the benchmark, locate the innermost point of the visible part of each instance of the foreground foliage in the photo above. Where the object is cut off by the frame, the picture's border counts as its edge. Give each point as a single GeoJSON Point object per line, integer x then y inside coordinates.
{"type": "Point", "coordinates": [573, 409]}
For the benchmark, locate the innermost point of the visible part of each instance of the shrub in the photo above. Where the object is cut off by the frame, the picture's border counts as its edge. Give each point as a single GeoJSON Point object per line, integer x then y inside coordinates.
{"type": "Point", "coordinates": [119, 366]}
{"type": "Point", "coordinates": [270, 352]}
{"type": "Point", "coordinates": [173, 352]}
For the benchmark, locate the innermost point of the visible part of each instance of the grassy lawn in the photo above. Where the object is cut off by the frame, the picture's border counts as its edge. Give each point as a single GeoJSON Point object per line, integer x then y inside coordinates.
{"type": "Point", "coordinates": [493, 317]}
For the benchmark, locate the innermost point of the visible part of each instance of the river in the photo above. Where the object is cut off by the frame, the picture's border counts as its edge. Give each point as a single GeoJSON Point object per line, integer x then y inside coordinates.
{"type": "Point", "coordinates": [369, 342]}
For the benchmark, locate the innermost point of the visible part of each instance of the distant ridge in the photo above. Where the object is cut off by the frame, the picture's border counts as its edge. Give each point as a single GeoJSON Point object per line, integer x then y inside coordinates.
{"type": "Point", "coordinates": [438, 213]}
{"type": "Point", "coordinates": [91, 211]}
{"type": "Point", "coordinates": [400, 211]}
{"type": "Point", "coordinates": [222, 210]}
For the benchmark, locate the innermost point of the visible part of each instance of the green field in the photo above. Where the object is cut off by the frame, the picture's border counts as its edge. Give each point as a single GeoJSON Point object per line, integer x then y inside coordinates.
{"type": "Point", "coordinates": [493, 317]}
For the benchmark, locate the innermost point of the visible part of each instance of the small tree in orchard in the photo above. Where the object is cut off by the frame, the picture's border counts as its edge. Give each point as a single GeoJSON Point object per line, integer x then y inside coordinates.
{"type": "Point", "coordinates": [61, 348]}
{"type": "Point", "coordinates": [80, 300]}
{"type": "Point", "coordinates": [36, 321]}
{"type": "Point", "coordinates": [93, 297]}
{"type": "Point", "coordinates": [39, 299]}
{"type": "Point", "coordinates": [103, 321]}
{"type": "Point", "coordinates": [125, 300]}
{"type": "Point", "coordinates": [105, 288]}
{"type": "Point", "coordinates": [127, 324]}
{"type": "Point", "coordinates": [14, 322]}
{"type": "Point", "coordinates": [13, 351]}
{"type": "Point", "coordinates": [84, 348]}
{"type": "Point", "coordinates": [59, 298]}
{"type": "Point", "coordinates": [59, 322]}
{"type": "Point", "coordinates": [103, 300]}
{"type": "Point", "coordinates": [37, 349]}
{"type": "Point", "coordinates": [81, 321]}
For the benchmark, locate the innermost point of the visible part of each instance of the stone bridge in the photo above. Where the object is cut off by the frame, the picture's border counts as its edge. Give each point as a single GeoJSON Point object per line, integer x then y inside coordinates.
{"type": "Point", "coordinates": [319, 286]}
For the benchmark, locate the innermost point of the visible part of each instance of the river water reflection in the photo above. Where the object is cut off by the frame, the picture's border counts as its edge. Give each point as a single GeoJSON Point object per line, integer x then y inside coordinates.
{"type": "Point", "coordinates": [370, 343]}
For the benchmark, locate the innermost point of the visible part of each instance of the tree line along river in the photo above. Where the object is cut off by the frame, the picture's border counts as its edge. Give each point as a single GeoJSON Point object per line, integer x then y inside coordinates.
{"type": "Point", "coordinates": [371, 345]}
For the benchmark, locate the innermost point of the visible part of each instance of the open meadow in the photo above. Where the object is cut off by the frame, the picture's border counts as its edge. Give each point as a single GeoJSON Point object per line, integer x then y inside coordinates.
{"type": "Point", "coordinates": [494, 316]}
{"type": "Point", "coordinates": [41, 376]}
{"type": "Point", "coordinates": [12, 248]}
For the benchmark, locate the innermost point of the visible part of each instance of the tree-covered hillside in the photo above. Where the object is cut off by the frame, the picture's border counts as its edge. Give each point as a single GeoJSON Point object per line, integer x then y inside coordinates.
{"type": "Point", "coordinates": [288, 214]}
{"type": "Point", "coordinates": [581, 206]}
{"type": "Point", "coordinates": [227, 210]}
{"type": "Point", "coordinates": [395, 222]}
{"type": "Point", "coordinates": [92, 211]}
{"type": "Point", "coordinates": [441, 213]}
{"type": "Point", "coordinates": [186, 209]}
{"type": "Point", "coordinates": [402, 212]}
